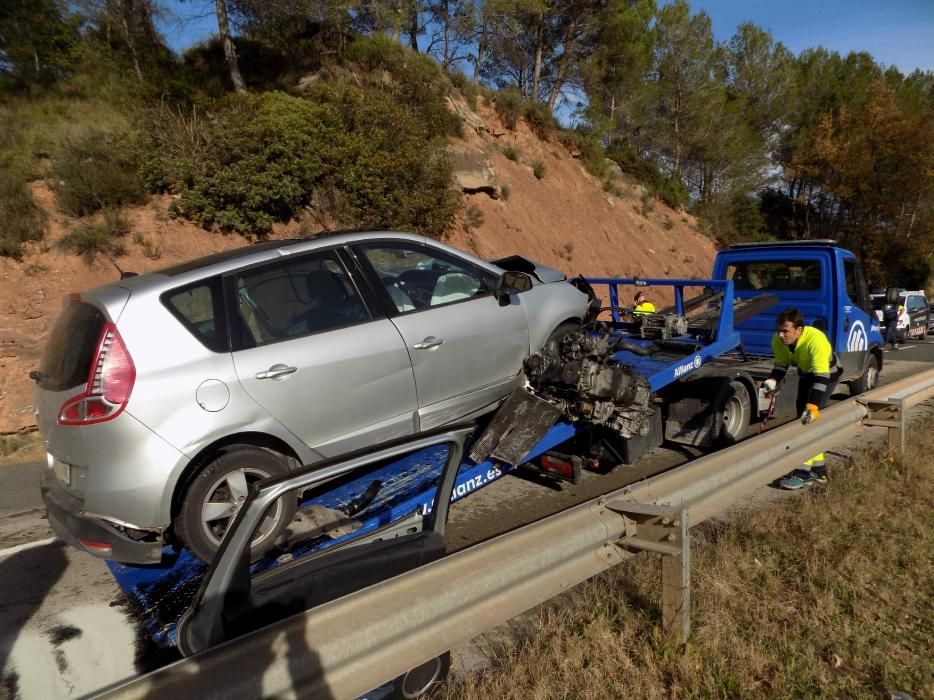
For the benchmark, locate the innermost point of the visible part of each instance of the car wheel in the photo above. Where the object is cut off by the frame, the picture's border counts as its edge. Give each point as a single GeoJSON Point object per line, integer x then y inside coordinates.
{"type": "Point", "coordinates": [554, 338]}
{"type": "Point", "coordinates": [868, 379]}
{"type": "Point", "coordinates": [734, 410]}
{"type": "Point", "coordinates": [216, 494]}
{"type": "Point", "coordinates": [421, 681]}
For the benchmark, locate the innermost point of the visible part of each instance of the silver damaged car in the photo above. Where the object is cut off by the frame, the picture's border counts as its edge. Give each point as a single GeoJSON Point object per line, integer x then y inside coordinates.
{"type": "Point", "coordinates": [162, 397]}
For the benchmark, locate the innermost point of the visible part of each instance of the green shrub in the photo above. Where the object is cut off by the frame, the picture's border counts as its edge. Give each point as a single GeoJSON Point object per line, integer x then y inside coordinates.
{"type": "Point", "coordinates": [591, 152]}
{"type": "Point", "coordinates": [22, 220]}
{"type": "Point", "coordinates": [150, 249]}
{"type": "Point", "coordinates": [505, 191]}
{"type": "Point", "coordinates": [173, 141]}
{"type": "Point", "coordinates": [474, 217]}
{"type": "Point", "coordinates": [103, 235]}
{"type": "Point", "coordinates": [417, 84]}
{"type": "Point", "coordinates": [352, 149]}
{"type": "Point", "coordinates": [540, 119]}
{"type": "Point", "coordinates": [511, 152]}
{"type": "Point", "coordinates": [469, 89]}
{"type": "Point", "coordinates": [669, 189]}
{"type": "Point", "coordinates": [96, 171]}
{"type": "Point", "coordinates": [510, 107]}
{"type": "Point", "coordinates": [538, 169]}
{"type": "Point", "coordinates": [673, 193]}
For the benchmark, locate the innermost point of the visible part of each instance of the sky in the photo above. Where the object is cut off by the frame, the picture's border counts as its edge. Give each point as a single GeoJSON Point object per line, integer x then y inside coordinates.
{"type": "Point", "coordinates": [896, 33]}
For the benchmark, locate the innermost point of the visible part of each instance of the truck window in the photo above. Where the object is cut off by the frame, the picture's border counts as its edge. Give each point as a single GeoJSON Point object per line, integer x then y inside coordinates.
{"type": "Point", "coordinates": [793, 275]}
{"type": "Point", "coordinates": [856, 288]}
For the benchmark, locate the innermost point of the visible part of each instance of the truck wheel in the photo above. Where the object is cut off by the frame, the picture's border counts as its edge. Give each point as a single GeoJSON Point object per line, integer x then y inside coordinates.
{"type": "Point", "coordinates": [734, 411]}
{"type": "Point", "coordinates": [421, 681]}
{"type": "Point", "coordinates": [216, 494]}
{"type": "Point", "coordinates": [868, 379]}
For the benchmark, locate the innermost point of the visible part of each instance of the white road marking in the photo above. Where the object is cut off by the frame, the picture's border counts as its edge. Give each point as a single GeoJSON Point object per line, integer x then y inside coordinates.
{"type": "Point", "coordinates": [23, 547]}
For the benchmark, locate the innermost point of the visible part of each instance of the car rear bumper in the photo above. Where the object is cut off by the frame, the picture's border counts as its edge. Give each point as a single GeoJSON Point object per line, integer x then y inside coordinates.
{"type": "Point", "coordinates": [92, 535]}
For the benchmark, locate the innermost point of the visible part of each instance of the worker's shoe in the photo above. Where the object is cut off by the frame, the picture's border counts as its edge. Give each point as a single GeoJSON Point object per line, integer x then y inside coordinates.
{"type": "Point", "coordinates": [795, 480]}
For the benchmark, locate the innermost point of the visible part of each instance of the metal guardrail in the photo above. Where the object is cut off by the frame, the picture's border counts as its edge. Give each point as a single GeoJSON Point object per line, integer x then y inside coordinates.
{"type": "Point", "coordinates": [351, 645]}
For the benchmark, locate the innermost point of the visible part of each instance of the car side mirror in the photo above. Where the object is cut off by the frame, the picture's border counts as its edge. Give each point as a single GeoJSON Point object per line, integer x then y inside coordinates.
{"type": "Point", "coordinates": [512, 282]}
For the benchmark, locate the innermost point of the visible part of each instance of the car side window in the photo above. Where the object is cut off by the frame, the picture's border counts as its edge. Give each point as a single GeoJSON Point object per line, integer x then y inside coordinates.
{"type": "Point", "coordinates": [416, 278]}
{"type": "Point", "coordinates": [295, 297]}
{"type": "Point", "coordinates": [198, 307]}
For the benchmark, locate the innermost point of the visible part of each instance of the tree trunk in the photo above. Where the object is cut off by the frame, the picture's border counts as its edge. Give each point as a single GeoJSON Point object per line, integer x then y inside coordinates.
{"type": "Point", "coordinates": [413, 28]}
{"type": "Point", "coordinates": [537, 70]}
{"type": "Point", "coordinates": [131, 44]}
{"type": "Point", "coordinates": [612, 128]}
{"type": "Point", "coordinates": [481, 47]}
{"type": "Point", "coordinates": [230, 51]}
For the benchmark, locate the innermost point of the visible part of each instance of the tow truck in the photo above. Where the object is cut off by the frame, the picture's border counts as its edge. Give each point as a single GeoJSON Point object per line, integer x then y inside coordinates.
{"type": "Point", "coordinates": [602, 393]}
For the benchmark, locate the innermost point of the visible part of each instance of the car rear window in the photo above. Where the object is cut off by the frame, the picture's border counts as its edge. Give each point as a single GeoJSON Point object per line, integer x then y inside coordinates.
{"type": "Point", "coordinates": [199, 308]}
{"type": "Point", "coordinates": [69, 352]}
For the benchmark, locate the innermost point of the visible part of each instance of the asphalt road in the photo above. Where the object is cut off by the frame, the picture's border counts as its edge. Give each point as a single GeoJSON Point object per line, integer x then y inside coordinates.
{"type": "Point", "coordinates": [63, 627]}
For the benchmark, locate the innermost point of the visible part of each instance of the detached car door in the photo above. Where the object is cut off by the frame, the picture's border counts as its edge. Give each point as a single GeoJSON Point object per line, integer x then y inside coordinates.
{"type": "Point", "coordinates": [320, 360]}
{"type": "Point", "coordinates": [363, 518]}
{"type": "Point", "coordinates": [465, 346]}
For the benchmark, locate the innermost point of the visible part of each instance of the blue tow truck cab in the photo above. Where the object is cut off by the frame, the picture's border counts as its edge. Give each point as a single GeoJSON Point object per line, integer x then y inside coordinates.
{"type": "Point", "coordinates": [825, 282]}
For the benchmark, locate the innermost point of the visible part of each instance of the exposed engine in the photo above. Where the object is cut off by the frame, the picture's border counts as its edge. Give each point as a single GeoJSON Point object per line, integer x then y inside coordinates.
{"type": "Point", "coordinates": [577, 374]}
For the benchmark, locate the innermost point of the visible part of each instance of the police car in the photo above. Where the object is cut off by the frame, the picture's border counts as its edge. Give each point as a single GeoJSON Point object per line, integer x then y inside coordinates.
{"type": "Point", "coordinates": [914, 317]}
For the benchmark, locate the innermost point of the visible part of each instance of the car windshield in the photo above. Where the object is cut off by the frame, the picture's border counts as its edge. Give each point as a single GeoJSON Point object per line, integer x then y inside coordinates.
{"type": "Point", "coordinates": [878, 301]}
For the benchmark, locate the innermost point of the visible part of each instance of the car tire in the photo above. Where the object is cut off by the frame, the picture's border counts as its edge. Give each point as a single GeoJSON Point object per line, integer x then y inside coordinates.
{"type": "Point", "coordinates": [422, 681]}
{"type": "Point", "coordinates": [868, 379]}
{"type": "Point", "coordinates": [225, 482]}
{"type": "Point", "coordinates": [733, 412]}
{"type": "Point", "coordinates": [560, 331]}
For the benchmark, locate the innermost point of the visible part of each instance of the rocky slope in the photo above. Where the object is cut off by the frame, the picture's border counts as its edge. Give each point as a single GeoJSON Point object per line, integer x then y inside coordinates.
{"type": "Point", "coordinates": [564, 219]}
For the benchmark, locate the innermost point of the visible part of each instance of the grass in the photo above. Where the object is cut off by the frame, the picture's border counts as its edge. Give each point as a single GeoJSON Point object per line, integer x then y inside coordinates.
{"type": "Point", "coordinates": [826, 593]}
{"type": "Point", "coordinates": [538, 169]}
{"type": "Point", "coordinates": [20, 447]}
{"type": "Point", "coordinates": [101, 236]}
{"type": "Point", "coordinates": [511, 152]}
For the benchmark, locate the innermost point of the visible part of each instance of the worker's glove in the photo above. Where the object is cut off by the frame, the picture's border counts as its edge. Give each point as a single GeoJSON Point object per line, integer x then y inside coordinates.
{"type": "Point", "coordinates": [811, 414]}
{"type": "Point", "coordinates": [771, 387]}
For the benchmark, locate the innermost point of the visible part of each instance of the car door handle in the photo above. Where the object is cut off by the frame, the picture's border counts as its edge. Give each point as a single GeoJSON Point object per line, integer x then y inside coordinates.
{"type": "Point", "coordinates": [277, 372]}
{"type": "Point", "coordinates": [428, 343]}
{"type": "Point", "coordinates": [846, 323]}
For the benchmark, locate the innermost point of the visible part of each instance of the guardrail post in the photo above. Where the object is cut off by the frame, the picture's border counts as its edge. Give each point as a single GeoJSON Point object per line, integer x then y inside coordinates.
{"type": "Point", "coordinates": [666, 531]}
{"type": "Point", "coordinates": [676, 585]}
{"type": "Point", "coordinates": [889, 414]}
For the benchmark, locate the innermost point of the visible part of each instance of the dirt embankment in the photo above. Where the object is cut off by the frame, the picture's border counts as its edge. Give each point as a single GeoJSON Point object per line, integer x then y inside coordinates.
{"type": "Point", "coordinates": [565, 219]}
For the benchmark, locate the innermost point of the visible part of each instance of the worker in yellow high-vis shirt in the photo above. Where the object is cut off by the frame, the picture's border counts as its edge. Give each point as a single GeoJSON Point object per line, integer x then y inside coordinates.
{"type": "Point", "coordinates": [808, 349]}
{"type": "Point", "coordinates": [642, 306]}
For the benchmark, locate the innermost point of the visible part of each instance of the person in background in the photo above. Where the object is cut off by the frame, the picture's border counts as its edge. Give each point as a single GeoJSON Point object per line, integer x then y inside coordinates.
{"type": "Point", "coordinates": [890, 314]}
{"type": "Point", "coordinates": [641, 305]}
{"type": "Point", "coordinates": [808, 349]}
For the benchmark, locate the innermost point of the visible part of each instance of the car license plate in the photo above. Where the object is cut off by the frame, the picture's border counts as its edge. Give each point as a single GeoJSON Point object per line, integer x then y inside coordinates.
{"type": "Point", "coordinates": [63, 472]}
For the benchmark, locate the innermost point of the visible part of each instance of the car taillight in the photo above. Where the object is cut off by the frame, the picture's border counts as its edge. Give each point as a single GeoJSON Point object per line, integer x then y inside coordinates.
{"type": "Point", "coordinates": [110, 382]}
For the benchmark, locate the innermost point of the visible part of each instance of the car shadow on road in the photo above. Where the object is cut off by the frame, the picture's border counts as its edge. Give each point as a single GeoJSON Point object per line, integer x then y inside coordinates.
{"type": "Point", "coordinates": [26, 578]}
